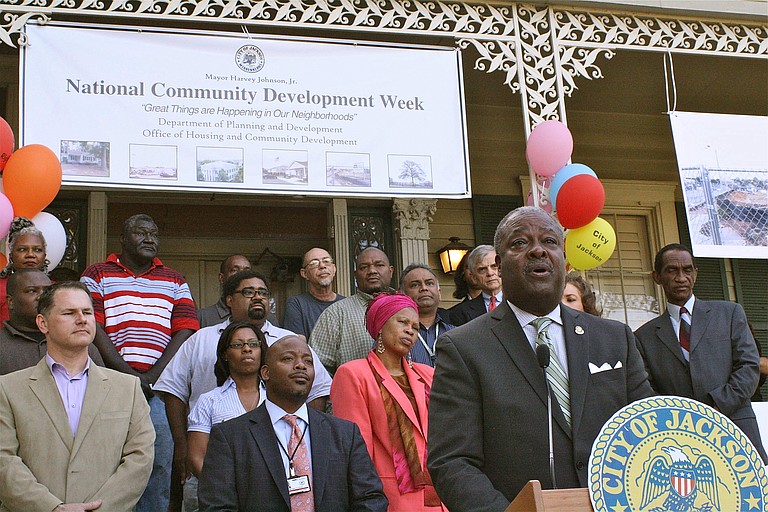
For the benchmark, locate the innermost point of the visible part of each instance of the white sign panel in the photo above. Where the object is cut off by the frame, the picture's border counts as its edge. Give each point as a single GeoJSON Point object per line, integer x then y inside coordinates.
{"type": "Point", "coordinates": [151, 109]}
{"type": "Point", "coordinates": [723, 162]}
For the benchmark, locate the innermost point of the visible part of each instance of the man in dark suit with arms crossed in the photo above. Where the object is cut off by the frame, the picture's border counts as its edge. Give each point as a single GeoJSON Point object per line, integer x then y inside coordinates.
{"type": "Point", "coordinates": [488, 408]}
{"type": "Point", "coordinates": [252, 463]}
{"type": "Point", "coordinates": [716, 362]}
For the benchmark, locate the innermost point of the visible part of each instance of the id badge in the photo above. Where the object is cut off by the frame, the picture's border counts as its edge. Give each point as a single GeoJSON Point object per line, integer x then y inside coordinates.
{"type": "Point", "coordinates": [298, 485]}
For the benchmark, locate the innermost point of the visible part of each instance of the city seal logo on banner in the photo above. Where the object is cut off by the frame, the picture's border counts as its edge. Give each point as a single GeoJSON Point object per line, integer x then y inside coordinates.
{"type": "Point", "coordinates": [249, 58]}
{"type": "Point", "coordinates": [669, 453]}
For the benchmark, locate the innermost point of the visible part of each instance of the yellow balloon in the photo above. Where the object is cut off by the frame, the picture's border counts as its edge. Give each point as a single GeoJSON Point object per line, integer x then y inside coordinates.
{"type": "Point", "coordinates": [590, 246]}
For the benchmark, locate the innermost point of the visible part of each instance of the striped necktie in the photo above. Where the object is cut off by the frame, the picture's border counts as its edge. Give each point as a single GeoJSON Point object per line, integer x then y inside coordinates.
{"type": "Point", "coordinates": [558, 381]}
{"type": "Point", "coordinates": [685, 333]}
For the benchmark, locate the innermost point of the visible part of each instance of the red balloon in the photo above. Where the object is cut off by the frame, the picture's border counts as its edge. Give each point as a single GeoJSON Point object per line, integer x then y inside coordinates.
{"type": "Point", "coordinates": [6, 142]}
{"type": "Point", "coordinates": [31, 179]}
{"type": "Point", "coordinates": [580, 201]}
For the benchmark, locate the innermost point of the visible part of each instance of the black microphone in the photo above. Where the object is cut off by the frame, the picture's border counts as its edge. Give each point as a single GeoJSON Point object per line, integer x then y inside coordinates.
{"type": "Point", "coordinates": [542, 357]}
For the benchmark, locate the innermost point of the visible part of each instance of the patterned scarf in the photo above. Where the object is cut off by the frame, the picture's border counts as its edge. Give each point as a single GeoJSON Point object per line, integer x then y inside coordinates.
{"type": "Point", "coordinates": [408, 466]}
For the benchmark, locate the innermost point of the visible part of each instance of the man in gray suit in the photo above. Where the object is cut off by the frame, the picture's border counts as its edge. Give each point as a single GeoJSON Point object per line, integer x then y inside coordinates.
{"type": "Point", "coordinates": [700, 349]}
{"type": "Point", "coordinates": [488, 408]}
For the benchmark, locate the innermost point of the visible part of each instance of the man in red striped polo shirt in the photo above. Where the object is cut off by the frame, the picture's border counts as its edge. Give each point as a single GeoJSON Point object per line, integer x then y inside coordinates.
{"type": "Point", "coordinates": [144, 311]}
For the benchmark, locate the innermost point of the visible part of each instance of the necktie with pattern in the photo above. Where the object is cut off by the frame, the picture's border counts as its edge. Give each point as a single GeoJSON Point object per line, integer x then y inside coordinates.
{"type": "Point", "coordinates": [558, 381]}
{"type": "Point", "coordinates": [303, 502]}
{"type": "Point", "coordinates": [492, 303]}
{"type": "Point", "coordinates": [685, 332]}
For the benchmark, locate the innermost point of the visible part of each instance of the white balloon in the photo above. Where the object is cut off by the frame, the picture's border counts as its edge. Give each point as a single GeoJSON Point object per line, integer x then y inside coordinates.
{"type": "Point", "coordinates": [55, 237]}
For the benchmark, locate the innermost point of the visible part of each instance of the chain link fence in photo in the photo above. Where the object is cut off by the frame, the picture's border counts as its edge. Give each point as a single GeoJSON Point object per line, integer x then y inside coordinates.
{"type": "Point", "coordinates": [727, 206]}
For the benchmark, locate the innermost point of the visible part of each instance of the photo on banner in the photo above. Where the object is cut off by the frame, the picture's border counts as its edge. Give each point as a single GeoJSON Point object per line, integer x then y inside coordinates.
{"type": "Point", "coordinates": [723, 164]}
{"type": "Point", "coordinates": [157, 109]}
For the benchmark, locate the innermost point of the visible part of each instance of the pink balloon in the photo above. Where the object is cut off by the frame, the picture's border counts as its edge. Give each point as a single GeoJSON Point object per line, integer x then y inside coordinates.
{"type": "Point", "coordinates": [6, 142]}
{"type": "Point", "coordinates": [549, 147]}
{"type": "Point", "coordinates": [6, 215]}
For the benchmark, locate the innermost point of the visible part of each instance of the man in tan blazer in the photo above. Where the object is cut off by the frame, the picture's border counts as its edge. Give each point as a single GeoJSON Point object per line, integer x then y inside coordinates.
{"type": "Point", "coordinates": [94, 453]}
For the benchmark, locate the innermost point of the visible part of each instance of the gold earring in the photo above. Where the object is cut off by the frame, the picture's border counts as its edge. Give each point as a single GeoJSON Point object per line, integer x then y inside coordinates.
{"type": "Point", "coordinates": [380, 345]}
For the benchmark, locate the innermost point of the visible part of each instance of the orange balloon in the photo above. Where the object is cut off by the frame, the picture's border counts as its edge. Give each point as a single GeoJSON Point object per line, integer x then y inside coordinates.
{"type": "Point", "coordinates": [32, 178]}
{"type": "Point", "coordinates": [3, 261]}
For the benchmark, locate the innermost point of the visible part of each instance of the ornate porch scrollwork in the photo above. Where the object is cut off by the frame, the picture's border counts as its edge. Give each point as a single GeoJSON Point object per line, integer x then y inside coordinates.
{"type": "Point", "coordinates": [11, 24]}
{"type": "Point", "coordinates": [542, 94]}
{"type": "Point", "coordinates": [547, 48]}
{"type": "Point", "coordinates": [580, 62]}
{"type": "Point", "coordinates": [495, 55]}
{"type": "Point", "coordinates": [655, 33]}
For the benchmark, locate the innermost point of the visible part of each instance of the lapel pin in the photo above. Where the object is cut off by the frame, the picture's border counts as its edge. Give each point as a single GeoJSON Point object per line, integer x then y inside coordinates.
{"type": "Point", "coordinates": [579, 330]}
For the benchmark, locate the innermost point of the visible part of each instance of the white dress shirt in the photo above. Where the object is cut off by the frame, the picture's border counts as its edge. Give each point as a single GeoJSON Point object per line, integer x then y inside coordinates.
{"type": "Point", "coordinates": [555, 331]}
{"type": "Point", "coordinates": [283, 430]}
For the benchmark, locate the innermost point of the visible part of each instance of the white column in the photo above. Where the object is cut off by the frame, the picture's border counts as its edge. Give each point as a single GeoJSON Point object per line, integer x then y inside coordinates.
{"type": "Point", "coordinates": [340, 235]}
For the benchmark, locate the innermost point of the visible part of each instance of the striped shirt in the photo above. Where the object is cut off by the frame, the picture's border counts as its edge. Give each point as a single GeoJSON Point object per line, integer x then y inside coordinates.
{"type": "Point", "coordinates": [140, 313]}
{"type": "Point", "coordinates": [219, 404]}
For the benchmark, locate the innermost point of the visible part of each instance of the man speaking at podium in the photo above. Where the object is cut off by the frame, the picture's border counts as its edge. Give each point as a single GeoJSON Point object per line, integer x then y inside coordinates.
{"type": "Point", "coordinates": [488, 417]}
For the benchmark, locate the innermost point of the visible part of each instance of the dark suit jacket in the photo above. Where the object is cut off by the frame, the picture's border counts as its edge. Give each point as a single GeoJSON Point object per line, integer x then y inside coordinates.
{"type": "Point", "coordinates": [724, 364]}
{"type": "Point", "coordinates": [488, 407]}
{"type": "Point", "coordinates": [468, 310]}
{"type": "Point", "coordinates": [243, 469]}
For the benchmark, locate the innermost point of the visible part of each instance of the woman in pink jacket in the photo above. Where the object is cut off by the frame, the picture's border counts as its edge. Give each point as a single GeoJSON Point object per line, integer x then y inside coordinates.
{"type": "Point", "coordinates": [387, 395]}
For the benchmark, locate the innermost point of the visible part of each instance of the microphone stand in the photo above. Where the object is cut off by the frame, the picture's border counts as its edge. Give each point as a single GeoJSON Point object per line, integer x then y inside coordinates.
{"type": "Point", "coordinates": [543, 356]}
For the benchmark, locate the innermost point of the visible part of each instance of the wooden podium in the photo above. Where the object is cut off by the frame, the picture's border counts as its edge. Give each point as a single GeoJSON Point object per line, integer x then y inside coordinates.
{"type": "Point", "coordinates": [532, 499]}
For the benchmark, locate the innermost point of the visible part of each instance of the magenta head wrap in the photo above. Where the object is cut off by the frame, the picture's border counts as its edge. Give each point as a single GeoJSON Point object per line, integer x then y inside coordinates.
{"type": "Point", "coordinates": [381, 309]}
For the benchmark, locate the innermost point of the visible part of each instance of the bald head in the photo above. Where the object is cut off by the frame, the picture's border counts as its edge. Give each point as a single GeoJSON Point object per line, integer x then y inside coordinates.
{"type": "Point", "coordinates": [288, 371]}
{"type": "Point", "coordinates": [232, 265]}
{"type": "Point", "coordinates": [319, 269]}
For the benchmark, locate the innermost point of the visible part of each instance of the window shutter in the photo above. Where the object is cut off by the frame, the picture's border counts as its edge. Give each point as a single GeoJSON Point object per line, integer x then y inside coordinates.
{"type": "Point", "coordinates": [752, 293]}
{"type": "Point", "coordinates": [711, 283]}
{"type": "Point", "coordinates": [488, 211]}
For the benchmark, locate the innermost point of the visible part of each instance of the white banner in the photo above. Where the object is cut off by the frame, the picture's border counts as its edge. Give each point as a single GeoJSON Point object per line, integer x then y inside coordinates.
{"type": "Point", "coordinates": [723, 162]}
{"type": "Point", "coordinates": [151, 109]}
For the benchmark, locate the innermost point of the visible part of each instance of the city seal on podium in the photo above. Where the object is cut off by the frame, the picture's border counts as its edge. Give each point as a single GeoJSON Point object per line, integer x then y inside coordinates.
{"type": "Point", "coordinates": [672, 454]}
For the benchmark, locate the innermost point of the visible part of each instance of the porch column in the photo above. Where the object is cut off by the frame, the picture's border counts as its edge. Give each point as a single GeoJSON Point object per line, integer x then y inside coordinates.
{"type": "Point", "coordinates": [340, 235]}
{"type": "Point", "coordinates": [411, 218]}
{"type": "Point", "coordinates": [97, 228]}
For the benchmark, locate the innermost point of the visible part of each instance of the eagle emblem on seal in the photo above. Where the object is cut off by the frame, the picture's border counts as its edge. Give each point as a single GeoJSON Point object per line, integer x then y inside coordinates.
{"type": "Point", "coordinates": [682, 480]}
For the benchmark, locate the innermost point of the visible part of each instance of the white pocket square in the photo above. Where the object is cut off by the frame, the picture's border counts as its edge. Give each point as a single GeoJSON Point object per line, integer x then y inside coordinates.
{"type": "Point", "coordinates": [593, 368]}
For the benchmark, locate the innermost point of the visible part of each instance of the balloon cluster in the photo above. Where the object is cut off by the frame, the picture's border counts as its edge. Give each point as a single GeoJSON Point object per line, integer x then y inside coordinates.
{"type": "Point", "coordinates": [576, 195]}
{"type": "Point", "coordinates": [31, 180]}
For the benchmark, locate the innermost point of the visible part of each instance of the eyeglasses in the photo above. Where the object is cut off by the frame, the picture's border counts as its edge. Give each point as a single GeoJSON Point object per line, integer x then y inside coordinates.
{"type": "Point", "coordinates": [238, 345]}
{"type": "Point", "coordinates": [250, 293]}
{"type": "Point", "coordinates": [316, 262]}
